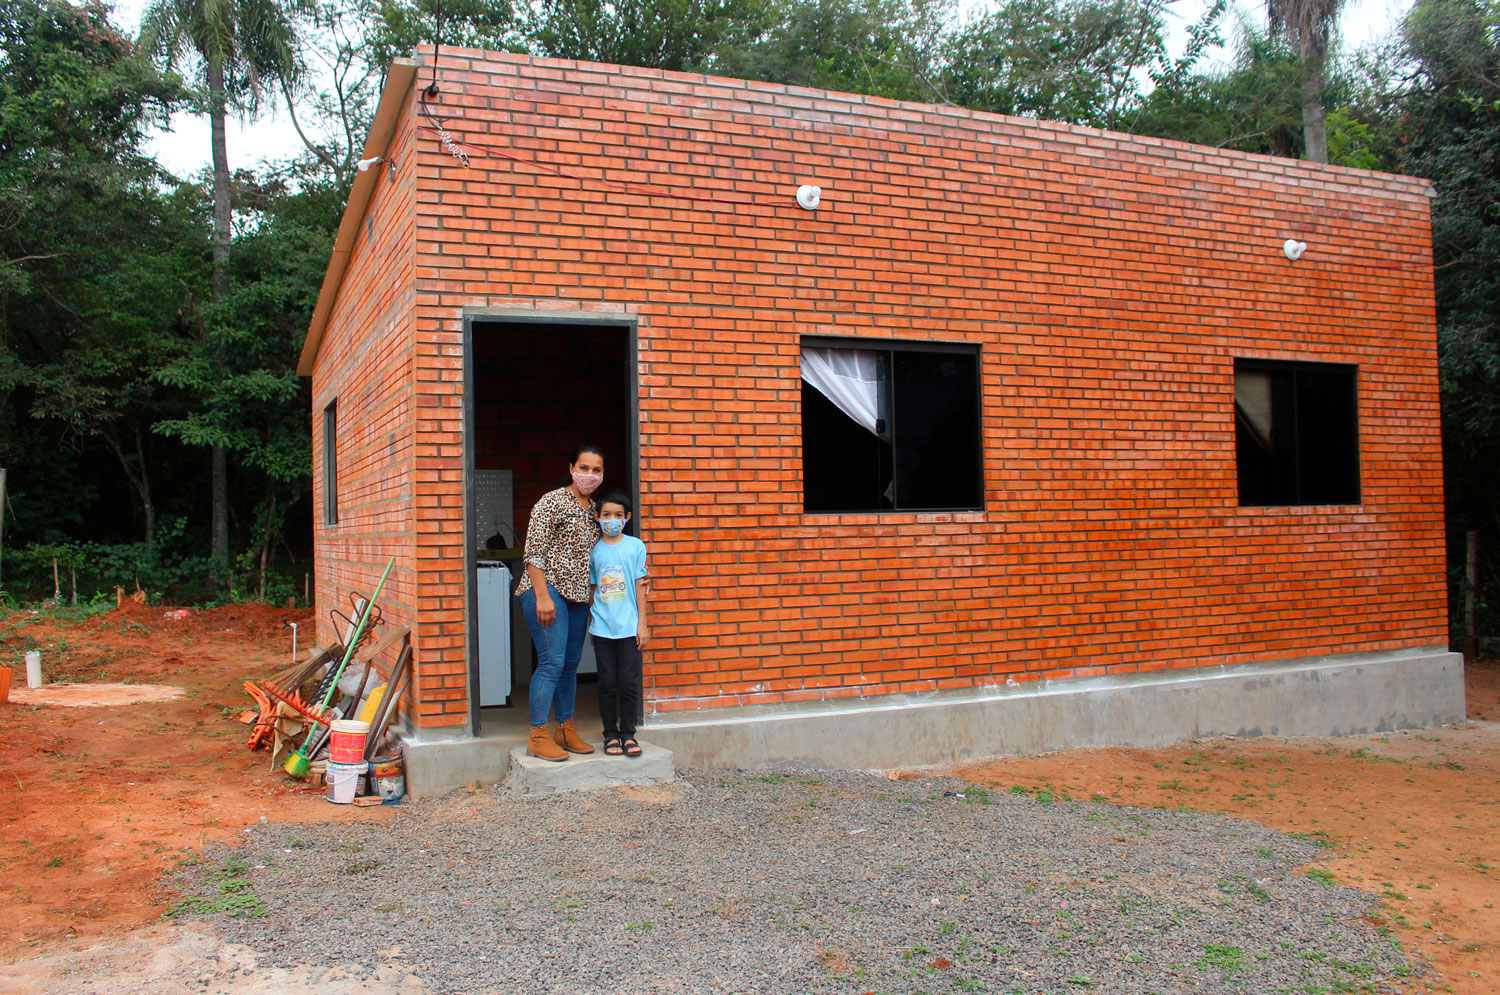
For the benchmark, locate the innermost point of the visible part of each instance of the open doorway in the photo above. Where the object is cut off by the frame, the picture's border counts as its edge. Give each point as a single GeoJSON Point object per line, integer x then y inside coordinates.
{"type": "Point", "coordinates": [535, 388]}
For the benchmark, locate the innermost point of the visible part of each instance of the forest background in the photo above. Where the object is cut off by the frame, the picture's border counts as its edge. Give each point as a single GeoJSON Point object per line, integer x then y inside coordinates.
{"type": "Point", "coordinates": [153, 432]}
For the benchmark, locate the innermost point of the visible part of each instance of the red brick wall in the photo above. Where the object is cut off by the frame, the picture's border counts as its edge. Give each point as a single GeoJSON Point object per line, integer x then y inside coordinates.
{"type": "Point", "coordinates": [365, 362]}
{"type": "Point", "coordinates": [1109, 280]}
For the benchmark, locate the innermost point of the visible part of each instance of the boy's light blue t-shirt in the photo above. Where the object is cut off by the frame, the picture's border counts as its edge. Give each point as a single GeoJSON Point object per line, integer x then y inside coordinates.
{"type": "Point", "coordinates": [613, 570]}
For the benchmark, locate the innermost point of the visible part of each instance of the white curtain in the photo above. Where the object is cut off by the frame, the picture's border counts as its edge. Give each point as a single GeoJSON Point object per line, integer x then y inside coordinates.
{"type": "Point", "coordinates": [850, 378]}
{"type": "Point", "coordinates": [1252, 396]}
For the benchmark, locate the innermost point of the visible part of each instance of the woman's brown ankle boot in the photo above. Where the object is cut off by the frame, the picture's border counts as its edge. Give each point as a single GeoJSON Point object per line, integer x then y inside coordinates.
{"type": "Point", "coordinates": [567, 737]}
{"type": "Point", "coordinates": [540, 745]}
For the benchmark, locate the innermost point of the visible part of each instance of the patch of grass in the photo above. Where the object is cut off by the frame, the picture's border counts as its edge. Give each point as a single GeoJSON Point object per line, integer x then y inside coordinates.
{"type": "Point", "coordinates": [1226, 959]}
{"type": "Point", "coordinates": [1367, 756]}
{"type": "Point", "coordinates": [1322, 875]}
{"type": "Point", "coordinates": [233, 899]}
{"type": "Point", "coordinates": [1317, 838]}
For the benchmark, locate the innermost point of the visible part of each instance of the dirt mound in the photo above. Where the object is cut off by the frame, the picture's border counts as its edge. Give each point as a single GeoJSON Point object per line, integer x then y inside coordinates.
{"type": "Point", "coordinates": [255, 621]}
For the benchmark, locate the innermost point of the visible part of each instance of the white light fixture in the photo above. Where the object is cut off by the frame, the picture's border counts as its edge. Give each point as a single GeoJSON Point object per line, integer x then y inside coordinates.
{"type": "Point", "coordinates": [364, 164]}
{"type": "Point", "coordinates": [809, 197]}
{"type": "Point", "coordinates": [1293, 249]}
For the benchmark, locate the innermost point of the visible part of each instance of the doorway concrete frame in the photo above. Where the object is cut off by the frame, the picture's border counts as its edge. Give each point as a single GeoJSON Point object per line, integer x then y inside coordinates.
{"type": "Point", "coordinates": [627, 322]}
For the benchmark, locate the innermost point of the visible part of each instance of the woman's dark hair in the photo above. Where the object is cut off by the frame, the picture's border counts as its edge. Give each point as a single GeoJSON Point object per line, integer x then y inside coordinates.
{"type": "Point", "coordinates": [615, 497]}
{"type": "Point", "coordinates": [586, 448]}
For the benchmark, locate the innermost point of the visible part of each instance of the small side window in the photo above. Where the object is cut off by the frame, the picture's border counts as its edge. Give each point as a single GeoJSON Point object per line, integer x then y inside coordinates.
{"type": "Point", "coordinates": [330, 463]}
{"type": "Point", "coordinates": [1296, 429]}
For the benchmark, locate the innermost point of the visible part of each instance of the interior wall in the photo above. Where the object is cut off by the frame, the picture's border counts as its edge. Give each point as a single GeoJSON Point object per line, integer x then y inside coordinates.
{"type": "Point", "coordinates": [540, 391]}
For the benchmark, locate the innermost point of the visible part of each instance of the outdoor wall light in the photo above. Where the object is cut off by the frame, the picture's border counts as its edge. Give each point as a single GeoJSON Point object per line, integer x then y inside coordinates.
{"type": "Point", "coordinates": [365, 165]}
{"type": "Point", "coordinates": [1293, 249]}
{"type": "Point", "coordinates": [809, 197]}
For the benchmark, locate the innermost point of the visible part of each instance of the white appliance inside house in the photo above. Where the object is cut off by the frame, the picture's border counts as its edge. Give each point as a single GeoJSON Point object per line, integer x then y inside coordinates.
{"type": "Point", "coordinates": [493, 588]}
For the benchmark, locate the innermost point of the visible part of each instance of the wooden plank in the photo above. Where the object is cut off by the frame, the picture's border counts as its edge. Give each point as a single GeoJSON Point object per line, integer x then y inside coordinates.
{"type": "Point", "coordinates": [383, 643]}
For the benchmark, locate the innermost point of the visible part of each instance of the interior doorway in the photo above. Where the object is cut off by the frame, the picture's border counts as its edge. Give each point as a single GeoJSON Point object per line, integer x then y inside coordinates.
{"type": "Point", "coordinates": [535, 387]}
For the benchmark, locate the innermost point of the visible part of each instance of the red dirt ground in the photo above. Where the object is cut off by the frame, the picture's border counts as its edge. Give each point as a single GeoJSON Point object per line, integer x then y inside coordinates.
{"type": "Point", "coordinates": [1413, 817]}
{"type": "Point", "coordinates": [98, 802]}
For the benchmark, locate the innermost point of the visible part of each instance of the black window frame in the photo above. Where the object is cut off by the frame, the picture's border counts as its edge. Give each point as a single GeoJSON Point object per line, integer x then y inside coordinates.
{"type": "Point", "coordinates": [330, 462]}
{"type": "Point", "coordinates": [892, 346]}
{"type": "Point", "coordinates": [1294, 368]}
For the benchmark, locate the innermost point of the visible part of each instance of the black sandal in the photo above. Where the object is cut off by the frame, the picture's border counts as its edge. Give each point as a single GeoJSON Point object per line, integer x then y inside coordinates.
{"type": "Point", "coordinates": [632, 748]}
{"type": "Point", "coordinates": [613, 748]}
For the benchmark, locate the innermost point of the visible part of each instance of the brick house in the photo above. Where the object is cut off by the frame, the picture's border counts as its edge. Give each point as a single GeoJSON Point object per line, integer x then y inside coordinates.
{"type": "Point", "coordinates": [1026, 435]}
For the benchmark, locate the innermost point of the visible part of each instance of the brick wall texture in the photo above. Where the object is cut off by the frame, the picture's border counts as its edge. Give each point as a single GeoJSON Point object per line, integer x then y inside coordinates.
{"type": "Point", "coordinates": [1109, 280]}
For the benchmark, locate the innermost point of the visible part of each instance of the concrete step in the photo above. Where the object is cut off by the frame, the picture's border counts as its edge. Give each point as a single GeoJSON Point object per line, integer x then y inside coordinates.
{"type": "Point", "coordinates": [589, 772]}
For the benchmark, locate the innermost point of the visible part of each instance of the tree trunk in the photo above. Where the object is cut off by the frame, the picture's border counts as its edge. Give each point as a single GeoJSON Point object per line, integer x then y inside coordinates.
{"type": "Point", "coordinates": [1314, 127]}
{"type": "Point", "coordinates": [217, 112]}
{"type": "Point", "coordinates": [269, 539]}
{"type": "Point", "coordinates": [138, 474]}
{"type": "Point", "coordinates": [148, 506]}
{"type": "Point", "coordinates": [222, 221]}
{"type": "Point", "coordinates": [220, 550]}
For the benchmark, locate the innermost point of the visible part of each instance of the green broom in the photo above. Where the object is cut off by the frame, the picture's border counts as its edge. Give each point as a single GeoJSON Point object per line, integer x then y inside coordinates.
{"type": "Point", "coordinates": [296, 764]}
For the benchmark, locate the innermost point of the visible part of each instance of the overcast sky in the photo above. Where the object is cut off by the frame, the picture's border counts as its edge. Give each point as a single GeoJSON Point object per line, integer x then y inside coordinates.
{"type": "Point", "coordinates": [184, 149]}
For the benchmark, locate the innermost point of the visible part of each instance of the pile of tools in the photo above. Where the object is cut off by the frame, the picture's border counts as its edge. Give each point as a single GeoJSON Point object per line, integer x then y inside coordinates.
{"type": "Point", "coordinates": [300, 701]}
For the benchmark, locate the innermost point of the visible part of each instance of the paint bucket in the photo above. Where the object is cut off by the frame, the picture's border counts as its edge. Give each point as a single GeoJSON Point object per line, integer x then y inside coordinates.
{"type": "Point", "coordinates": [346, 743]}
{"type": "Point", "coordinates": [4, 685]}
{"type": "Point", "coordinates": [343, 782]}
{"type": "Point", "coordinates": [388, 776]}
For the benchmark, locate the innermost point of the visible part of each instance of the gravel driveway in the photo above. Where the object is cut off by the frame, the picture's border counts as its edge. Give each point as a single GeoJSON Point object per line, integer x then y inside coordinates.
{"type": "Point", "coordinates": [803, 882]}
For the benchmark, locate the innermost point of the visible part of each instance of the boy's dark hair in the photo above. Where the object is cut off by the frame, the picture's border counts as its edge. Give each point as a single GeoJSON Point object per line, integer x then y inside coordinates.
{"type": "Point", "coordinates": [587, 448]}
{"type": "Point", "coordinates": [618, 497]}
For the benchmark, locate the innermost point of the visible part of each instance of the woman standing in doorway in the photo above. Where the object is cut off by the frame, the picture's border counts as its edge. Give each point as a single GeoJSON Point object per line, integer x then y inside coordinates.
{"type": "Point", "coordinates": [554, 593]}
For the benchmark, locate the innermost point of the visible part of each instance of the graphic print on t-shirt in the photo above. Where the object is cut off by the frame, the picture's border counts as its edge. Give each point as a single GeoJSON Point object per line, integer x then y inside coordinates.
{"type": "Point", "coordinates": [612, 585]}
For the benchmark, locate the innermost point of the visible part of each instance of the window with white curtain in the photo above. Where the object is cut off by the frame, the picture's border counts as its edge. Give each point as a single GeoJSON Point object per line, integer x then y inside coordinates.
{"type": "Point", "coordinates": [890, 426]}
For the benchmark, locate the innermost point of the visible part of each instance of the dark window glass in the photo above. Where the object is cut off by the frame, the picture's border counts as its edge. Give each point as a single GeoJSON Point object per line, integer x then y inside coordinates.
{"type": "Point", "coordinates": [330, 464]}
{"type": "Point", "coordinates": [1296, 433]}
{"type": "Point", "coordinates": [924, 453]}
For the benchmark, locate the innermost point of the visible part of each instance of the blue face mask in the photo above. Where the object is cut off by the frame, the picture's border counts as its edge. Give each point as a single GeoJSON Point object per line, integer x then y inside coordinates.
{"type": "Point", "coordinates": [612, 526]}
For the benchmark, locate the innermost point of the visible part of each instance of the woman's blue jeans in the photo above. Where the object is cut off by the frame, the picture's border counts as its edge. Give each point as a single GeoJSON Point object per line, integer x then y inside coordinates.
{"type": "Point", "coordinates": [559, 647]}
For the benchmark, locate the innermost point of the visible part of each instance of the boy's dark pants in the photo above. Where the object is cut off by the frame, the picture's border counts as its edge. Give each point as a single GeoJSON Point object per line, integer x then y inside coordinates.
{"type": "Point", "coordinates": [619, 677]}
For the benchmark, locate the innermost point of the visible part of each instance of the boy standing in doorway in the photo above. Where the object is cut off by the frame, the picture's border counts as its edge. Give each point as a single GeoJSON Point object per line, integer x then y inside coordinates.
{"type": "Point", "coordinates": [617, 623]}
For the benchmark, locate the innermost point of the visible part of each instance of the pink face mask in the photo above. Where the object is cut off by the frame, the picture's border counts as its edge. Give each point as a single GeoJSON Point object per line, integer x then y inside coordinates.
{"type": "Point", "coordinates": [587, 483]}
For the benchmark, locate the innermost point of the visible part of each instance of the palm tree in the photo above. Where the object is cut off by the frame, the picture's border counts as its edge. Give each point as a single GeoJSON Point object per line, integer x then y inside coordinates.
{"type": "Point", "coordinates": [239, 49]}
{"type": "Point", "coordinates": [1307, 27]}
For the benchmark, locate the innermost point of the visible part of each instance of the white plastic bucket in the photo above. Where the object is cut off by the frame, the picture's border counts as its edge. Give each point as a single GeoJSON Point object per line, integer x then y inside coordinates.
{"type": "Point", "coordinates": [33, 669]}
{"type": "Point", "coordinates": [343, 782]}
